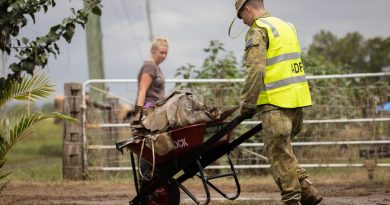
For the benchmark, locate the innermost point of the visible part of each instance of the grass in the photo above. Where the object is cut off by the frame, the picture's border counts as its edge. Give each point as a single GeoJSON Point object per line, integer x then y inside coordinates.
{"type": "Point", "coordinates": [38, 158]}
{"type": "Point", "coordinates": [44, 170]}
{"type": "Point", "coordinates": [323, 176]}
{"type": "Point", "coordinates": [44, 140]}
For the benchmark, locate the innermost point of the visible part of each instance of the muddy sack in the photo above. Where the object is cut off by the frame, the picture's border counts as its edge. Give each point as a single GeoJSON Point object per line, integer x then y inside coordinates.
{"type": "Point", "coordinates": [162, 143]}
{"type": "Point", "coordinates": [179, 109]}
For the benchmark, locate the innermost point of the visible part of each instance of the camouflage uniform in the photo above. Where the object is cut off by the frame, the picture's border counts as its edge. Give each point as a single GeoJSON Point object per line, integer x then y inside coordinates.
{"type": "Point", "coordinates": [280, 125]}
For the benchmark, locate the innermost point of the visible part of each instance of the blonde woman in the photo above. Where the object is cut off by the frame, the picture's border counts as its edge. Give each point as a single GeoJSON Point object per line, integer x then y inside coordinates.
{"type": "Point", "coordinates": [151, 81]}
{"type": "Point", "coordinates": [151, 87]}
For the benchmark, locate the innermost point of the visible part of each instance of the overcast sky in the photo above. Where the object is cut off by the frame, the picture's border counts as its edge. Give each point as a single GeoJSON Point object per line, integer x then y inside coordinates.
{"type": "Point", "coordinates": [190, 25]}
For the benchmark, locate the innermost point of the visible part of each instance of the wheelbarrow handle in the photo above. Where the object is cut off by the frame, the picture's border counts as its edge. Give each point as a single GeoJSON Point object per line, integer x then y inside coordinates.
{"type": "Point", "coordinates": [225, 130]}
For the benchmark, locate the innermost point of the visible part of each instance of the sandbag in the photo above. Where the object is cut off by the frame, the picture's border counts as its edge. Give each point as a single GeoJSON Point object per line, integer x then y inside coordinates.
{"type": "Point", "coordinates": [177, 110]}
{"type": "Point", "coordinates": [162, 143]}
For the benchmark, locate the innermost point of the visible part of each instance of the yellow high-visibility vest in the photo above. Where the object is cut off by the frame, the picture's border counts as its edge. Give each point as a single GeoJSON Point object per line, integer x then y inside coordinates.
{"type": "Point", "coordinates": [285, 81]}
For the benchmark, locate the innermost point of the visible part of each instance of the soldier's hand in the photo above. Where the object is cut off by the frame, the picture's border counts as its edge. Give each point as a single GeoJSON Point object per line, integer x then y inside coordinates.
{"type": "Point", "coordinates": [247, 113]}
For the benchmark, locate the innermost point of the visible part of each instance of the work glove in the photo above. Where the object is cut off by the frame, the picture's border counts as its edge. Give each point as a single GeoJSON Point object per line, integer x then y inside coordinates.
{"type": "Point", "coordinates": [137, 109]}
{"type": "Point", "coordinates": [137, 115]}
{"type": "Point", "coordinates": [247, 113]}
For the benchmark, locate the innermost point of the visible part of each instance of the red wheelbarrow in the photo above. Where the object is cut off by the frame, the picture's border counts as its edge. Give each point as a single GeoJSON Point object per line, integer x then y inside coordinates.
{"type": "Point", "coordinates": [191, 155]}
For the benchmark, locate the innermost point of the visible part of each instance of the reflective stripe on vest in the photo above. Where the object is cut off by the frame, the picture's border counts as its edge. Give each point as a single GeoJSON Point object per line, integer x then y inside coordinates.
{"type": "Point", "coordinates": [285, 81]}
{"type": "Point", "coordinates": [283, 57]}
{"type": "Point", "coordinates": [274, 31]}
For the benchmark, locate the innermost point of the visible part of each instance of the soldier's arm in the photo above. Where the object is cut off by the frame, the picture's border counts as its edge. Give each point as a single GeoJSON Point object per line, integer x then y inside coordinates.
{"type": "Point", "coordinates": [255, 57]}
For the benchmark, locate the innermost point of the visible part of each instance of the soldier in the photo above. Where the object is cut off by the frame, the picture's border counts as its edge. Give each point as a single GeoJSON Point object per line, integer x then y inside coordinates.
{"type": "Point", "coordinates": [276, 87]}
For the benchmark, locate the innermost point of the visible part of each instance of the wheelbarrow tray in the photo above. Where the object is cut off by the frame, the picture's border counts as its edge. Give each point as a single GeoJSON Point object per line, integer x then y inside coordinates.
{"type": "Point", "coordinates": [191, 162]}
{"type": "Point", "coordinates": [184, 140]}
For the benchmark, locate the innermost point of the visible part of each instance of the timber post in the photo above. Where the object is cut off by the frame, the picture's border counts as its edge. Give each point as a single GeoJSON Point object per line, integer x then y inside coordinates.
{"type": "Point", "coordinates": [72, 159]}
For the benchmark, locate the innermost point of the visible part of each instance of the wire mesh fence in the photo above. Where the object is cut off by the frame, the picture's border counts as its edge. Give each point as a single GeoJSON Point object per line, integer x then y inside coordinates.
{"type": "Point", "coordinates": [345, 126]}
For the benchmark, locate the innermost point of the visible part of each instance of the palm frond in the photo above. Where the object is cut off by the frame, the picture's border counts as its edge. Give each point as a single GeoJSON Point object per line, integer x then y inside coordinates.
{"type": "Point", "coordinates": [12, 131]}
{"type": "Point", "coordinates": [22, 127]}
{"type": "Point", "coordinates": [4, 175]}
{"type": "Point", "coordinates": [3, 181]}
{"type": "Point", "coordinates": [17, 131]}
{"type": "Point", "coordinates": [29, 89]}
{"type": "Point", "coordinates": [28, 120]}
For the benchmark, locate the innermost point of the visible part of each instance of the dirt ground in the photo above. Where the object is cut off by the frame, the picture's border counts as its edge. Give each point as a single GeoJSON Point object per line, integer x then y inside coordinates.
{"type": "Point", "coordinates": [108, 193]}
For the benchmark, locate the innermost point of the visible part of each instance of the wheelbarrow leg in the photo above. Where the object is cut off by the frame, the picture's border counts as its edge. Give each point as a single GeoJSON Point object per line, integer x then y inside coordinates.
{"type": "Point", "coordinates": [232, 174]}
{"type": "Point", "coordinates": [204, 181]}
{"type": "Point", "coordinates": [134, 172]}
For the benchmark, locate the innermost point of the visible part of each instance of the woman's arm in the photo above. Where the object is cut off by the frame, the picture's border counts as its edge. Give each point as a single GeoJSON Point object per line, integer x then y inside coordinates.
{"type": "Point", "coordinates": [146, 81]}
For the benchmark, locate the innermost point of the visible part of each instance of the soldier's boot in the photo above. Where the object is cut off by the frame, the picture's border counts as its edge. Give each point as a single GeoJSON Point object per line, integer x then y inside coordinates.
{"type": "Point", "coordinates": [309, 194]}
{"type": "Point", "coordinates": [292, 202]}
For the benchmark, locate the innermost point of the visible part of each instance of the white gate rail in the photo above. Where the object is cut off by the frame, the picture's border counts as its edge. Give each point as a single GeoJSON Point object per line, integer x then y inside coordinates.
{"type": "Point", "coordinates": [84, 123]}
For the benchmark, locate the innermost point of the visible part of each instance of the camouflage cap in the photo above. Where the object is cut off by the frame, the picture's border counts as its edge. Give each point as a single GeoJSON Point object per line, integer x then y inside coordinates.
{"type": "Point", "coordinates": [239, 4]}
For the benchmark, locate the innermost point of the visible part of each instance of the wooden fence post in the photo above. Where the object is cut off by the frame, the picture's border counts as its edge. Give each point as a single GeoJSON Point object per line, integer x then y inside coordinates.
{"type": "Point", "coordinates": [72, 156]}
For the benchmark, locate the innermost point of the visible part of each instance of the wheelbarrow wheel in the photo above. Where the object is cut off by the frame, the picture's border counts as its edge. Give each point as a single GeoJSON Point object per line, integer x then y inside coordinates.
{"type": "Point", "coordinates": [166, 194]}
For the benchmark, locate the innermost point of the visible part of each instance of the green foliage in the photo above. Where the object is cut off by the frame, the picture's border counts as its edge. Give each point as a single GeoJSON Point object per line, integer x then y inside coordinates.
{"type": "Point", "coordinates": [318, 65]}
{"type": "Point", "coordinates": [15, 128]}
{"type": "Point", "coordinates": [352, 52]}
{"type": "Point", "coordinates": [341, 98]}
{"type": "Point", "coordinates": [41, 145]}
{"type": "Point", "coordinates": [35, 87]}
{"type": "Point", "coordinates": [218, 65]}
{"type": "Point", "coordinates": [32, 54]}
{"type": "Point", "coordinates": [185, 72]}
{"type": "Point", "coordinates": [47, 107]}
{"type": "Point", "coordinates": [17, 108]}
{"type": "Point", "coordinates": [44, 141]}
{"type": "Point", "coordinates": [42, 170]}
{"type": "Point", "coordinates": [378, 53]}
{"type": "Point", "coordinates": [344, 97]}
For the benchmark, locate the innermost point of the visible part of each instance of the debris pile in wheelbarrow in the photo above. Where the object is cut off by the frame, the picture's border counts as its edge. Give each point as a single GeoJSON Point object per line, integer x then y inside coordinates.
{"type": "Point", "coordinates": [178, 110]}
{"type": "Point", "coordinates": [153, 126]}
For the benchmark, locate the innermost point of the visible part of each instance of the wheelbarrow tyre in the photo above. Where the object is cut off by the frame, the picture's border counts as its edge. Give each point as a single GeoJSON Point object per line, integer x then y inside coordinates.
{"type": "Point", "coordinates": [166, 194]}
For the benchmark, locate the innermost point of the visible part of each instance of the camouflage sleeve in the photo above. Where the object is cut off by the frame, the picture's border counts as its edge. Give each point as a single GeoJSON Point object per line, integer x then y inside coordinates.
{"type": "Point", "coordinates": [255, 58]}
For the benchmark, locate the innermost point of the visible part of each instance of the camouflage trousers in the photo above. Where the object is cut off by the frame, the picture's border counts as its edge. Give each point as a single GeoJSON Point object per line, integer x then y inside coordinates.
{"type": "Point", "coordinates": [279, 127]}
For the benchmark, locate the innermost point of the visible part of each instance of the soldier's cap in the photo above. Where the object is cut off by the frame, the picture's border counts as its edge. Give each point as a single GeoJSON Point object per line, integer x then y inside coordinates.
{"type": "Point", "coordinates": [239, 4]}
